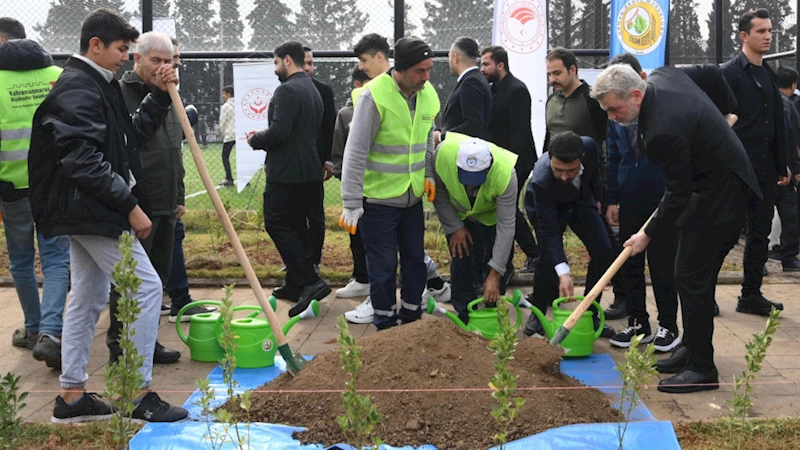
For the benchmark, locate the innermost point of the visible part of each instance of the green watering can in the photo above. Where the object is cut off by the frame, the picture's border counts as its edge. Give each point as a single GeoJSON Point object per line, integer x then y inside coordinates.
{"type": "Point", "coordinates": [256, 343]}
{"type": "Point", "coordinates": [580, 340]}
{"type": "Point", "coordinates": [202, 338]}
{"type": "Point", "coordinates": [483, 321]}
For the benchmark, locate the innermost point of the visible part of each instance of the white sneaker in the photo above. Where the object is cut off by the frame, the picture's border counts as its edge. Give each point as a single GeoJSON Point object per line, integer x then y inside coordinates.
{"type": "Point", "coordinates": [362, 314]}
{"type": "Point", "coordinates": [440, 295]}
{"type": "Point", "coordinates": [353, 289]}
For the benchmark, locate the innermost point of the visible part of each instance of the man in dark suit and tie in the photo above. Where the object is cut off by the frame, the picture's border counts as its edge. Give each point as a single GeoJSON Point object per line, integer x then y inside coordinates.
{"type": "Point", "coordinates": [510, 128]}
{"type": "Point", "coordinates": [564, 190]}
{"type": "Point", "coordinates": [469, 106]}
{"type": "Point", "coordinates": [709, 180]}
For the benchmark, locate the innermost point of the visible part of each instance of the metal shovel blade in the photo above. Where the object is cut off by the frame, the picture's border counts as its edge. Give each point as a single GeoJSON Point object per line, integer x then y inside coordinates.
{"type": "Point", "coordinates": [294, 362]}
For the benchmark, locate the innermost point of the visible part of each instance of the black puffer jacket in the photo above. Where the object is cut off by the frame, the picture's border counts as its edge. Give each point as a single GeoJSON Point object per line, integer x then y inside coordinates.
{"type": "Point", "coordinates": [83, 150]}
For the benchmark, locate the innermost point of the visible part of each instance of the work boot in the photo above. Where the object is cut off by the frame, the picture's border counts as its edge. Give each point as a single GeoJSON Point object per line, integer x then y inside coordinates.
{"type": "Point", "coordinates": [48, 350]}
{"type": "Point", "coordinates": [21, 338]}
{"type": "Point", "coordinates": [534, 327]}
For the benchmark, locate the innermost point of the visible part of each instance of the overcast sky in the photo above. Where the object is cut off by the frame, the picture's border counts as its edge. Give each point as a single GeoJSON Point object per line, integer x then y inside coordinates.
{"type": "Point", "coordinates": [31, 12]}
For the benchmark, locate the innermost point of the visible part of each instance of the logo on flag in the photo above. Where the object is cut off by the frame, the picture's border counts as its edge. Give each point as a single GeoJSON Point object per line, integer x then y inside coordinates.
{"type": "Point", "coordinates": [255, 103]}
{"type": "Point", "coordinates": [640, 26]}
{"type": "Point", "coordinates": [523, 26]}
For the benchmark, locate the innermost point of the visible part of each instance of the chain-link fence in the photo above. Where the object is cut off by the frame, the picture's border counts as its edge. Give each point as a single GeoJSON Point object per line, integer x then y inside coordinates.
{"type": "Point", "coordinates": [251, 28]}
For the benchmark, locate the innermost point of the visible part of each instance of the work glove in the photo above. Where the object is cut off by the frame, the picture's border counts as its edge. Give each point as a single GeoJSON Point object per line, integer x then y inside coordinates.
{"type": "Point", "coordinates": [430, 189]}
{"type": "Point", "coordinates": [349, 219]}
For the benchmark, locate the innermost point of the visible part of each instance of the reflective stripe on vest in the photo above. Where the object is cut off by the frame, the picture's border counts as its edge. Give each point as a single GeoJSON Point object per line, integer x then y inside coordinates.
{"type": "Point", "coordinates": [21, 92]}
{"type": "Point", "coordinates": [396, 159]}
{"type": "Point", "coordinates": [497, 180]}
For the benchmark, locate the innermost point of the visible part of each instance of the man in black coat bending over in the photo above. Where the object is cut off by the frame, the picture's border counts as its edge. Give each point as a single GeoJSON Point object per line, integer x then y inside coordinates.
{"type": "Point", "coordinates": [709, 180]}
{"type": "Point", "coordinates": [294, 177]}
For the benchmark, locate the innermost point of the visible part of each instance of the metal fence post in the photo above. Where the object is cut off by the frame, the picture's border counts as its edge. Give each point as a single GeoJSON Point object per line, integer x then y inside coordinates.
{"type": "Point", "coordinates": [718, 32]}
{"type": "Point", "coordinates": [147, 16]}
{"type": "Point", "coordinates": [400, 19]}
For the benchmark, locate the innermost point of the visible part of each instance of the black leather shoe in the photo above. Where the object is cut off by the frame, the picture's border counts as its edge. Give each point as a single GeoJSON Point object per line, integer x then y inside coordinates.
{"type": "Point", "coordinates": [315, 291]}
{"type": "Point", "coordinates": [690, 381]}
{"type": "Point", "coordinates": [530, 265]}
{"type": "Point", "coordinates": [791, 266]}
{"type": "Point", "coordinates": [608, 332]}
{"type": "Point", "coordinates": [164, 355]}
{"type": "Point", "coordinates": [756, 304]}
{"type": "Point", "coordinates": [716, 308]}
{"type": "Point", "coordinates": [534, 327]}
{"type": "Point", "coordinates": [617, 310]}
{"type": "Point", "coordinates": [675, 363]}
{"type": "Point", "coordinates": [286, 292]}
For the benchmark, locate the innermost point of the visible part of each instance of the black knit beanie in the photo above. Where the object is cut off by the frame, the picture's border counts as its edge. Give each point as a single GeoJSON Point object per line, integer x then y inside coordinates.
{"type": "Point", "coordinates": [409, 51]}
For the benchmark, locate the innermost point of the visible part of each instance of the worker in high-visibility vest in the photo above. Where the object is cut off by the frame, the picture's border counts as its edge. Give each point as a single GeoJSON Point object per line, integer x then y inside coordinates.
{"type": "Point", "coordinates": [27, 74]}
{"type": "Point", "coordinates": [384, 175]}
{"type": "Point", "coordinates": [476, 205]}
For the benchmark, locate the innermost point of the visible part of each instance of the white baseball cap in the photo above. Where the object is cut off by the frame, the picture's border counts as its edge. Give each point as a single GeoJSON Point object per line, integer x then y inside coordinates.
{"type": "Point", "coordinates": [474, 161]}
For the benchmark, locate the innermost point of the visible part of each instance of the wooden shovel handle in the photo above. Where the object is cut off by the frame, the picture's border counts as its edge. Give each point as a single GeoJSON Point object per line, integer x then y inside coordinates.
{"type": "Point", "coordinates": [603, 282]}
{"type": "Point", "coordinates": [274, 325]}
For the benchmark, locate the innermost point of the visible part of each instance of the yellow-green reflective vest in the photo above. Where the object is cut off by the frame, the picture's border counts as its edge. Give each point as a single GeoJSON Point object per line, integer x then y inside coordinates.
{"type": "Point", "coordinates": [485, 208]}
{"type": "Point", "coordinates": [396, 159]}
{"type": "Point", "coordinates": [21, 92]}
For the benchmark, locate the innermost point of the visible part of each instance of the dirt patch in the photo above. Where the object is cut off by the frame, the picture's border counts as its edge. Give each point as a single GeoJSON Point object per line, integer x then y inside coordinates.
{"type": "Point", "coordinates": [426, 356]}
{"type": "Point", "coordinates": [768, 434]}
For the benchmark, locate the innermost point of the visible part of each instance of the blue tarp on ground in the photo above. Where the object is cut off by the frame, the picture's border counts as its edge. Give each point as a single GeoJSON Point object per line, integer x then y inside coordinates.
{"type": "Point", "coordinates": [595, 371]}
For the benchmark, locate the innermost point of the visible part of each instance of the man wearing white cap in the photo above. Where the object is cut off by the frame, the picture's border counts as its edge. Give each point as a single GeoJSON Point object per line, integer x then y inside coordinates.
{"type": "Point", "coordinates": [476, 204]}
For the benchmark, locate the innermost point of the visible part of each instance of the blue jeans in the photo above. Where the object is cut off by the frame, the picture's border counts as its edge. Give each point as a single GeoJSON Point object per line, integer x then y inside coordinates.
{"type": "Point", "coordinates": [46, 318]}
{"type": "Point", "coordinates": [387, 230]}
{"type": "Point", "coordinates": [178, 284]}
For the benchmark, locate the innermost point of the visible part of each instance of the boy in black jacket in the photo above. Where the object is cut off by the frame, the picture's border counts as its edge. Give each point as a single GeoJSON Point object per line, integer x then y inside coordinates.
{"type": "Point", "coordinates": [83, 167]}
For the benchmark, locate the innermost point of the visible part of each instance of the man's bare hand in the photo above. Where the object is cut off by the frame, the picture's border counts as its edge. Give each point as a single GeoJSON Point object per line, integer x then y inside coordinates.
{"type": "Point", "coordinates": [327, 171]}
{"type": "Point", "coordinates": [638, 242]}
{"type": "Point", "coordinates": [180, 211]}
{"type": "Point", "coordinates": [140, 223]}
{"type": "Point", "coordinates": [784, 181]}
{"type": "Point", "coordinates": [491, 287]}
{"type": "Point", "coordinates": [565, 286]}
{"type": "Point", "coordinates": [165, 75]}
{"type": "Point", "coordinates": [612, 215]}
{"type": "Point", "coordinates": [460, 243]}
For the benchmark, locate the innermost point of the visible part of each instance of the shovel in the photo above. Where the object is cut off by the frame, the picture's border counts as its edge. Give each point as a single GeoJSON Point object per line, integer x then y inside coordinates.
{"type": "Point", "coordinates": [294, 362]}
{"type": "Point", "coordinates": [563, 331]}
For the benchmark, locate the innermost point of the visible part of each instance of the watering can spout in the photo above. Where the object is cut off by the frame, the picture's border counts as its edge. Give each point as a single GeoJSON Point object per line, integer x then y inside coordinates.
{"type": "Point", "coordinates": [433, 307]}
{"type": "Point", "coordinates": [311, 311]}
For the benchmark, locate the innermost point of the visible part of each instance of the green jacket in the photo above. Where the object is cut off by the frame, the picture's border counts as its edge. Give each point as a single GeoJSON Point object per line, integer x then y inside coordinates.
{"type": "Point", "coordinates": [161, 156]}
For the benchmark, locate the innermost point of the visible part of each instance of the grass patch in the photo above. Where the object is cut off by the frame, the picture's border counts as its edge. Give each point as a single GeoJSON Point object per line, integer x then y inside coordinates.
{"type": "Point", "coordinates": [42, 436]}
{"type": "Point", "coordinates": [769, 434]}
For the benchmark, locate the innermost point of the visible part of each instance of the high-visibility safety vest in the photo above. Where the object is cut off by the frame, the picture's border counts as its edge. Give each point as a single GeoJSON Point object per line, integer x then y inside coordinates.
{"type": "Point", "coordinates": [21, 92]}
{"type": "Point", "coordinates": [497, 180]}
{"type": "Point", "coordinates": [396, 158]}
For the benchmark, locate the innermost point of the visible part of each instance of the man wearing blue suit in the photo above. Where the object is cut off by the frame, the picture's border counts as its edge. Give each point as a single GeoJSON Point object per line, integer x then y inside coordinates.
{"type": "Point", "coordinates": [565, 190]}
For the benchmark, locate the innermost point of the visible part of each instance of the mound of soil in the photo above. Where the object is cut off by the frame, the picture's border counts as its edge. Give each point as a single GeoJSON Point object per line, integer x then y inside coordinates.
{"type": "Point", "coordinates": [424, 356]}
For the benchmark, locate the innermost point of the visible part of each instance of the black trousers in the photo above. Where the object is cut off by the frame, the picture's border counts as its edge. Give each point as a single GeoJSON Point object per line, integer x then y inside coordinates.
{"type": "Point", "coordinates": [698, 262]}
{"type": "Point", "coordinates": [759, 223]}
{"type": "Point", "coordinates": [786, 203]}
{"type": "Point", "coordinates": [360, 272]}
{"type": "Point", "coordinates": [586, 223]}
{"type": "Point", "coordinates": [468, 273]}
{"type": "Point", "coordinates": [159, 247]}
{"type": "Point", "coordinates": [316, 228]}
{"type": "Point", "coordinates": [286, 207]}
{"type": "Point", "coordinates": [522, 233]}
{"type": "Point", "coordinates": [227, 147]}
{"type": "Point", "coordinates": [661, 259]}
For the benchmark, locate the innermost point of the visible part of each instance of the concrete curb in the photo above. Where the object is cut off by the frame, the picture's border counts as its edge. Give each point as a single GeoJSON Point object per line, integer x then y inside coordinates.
{"type": "Point", "coordinates": [519, 279]}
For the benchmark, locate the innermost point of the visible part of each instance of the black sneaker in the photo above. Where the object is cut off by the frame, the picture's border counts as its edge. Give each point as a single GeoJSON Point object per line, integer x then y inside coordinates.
{"type": "Point", "coordinates": [153, 409]}
{"type": "Point", "coordinates": [88, 409]}
{"type": "Point", "coordinates": [165, 309]}
{"type": "Point", "coordinates": [187, 315]}
{"type": "Point", "coordinates": [666, 340]}
{"type": "Point", "coordinates": [624, 337]}
{"type": "Point", "coordinates": [48, 350]}
{"type": "Point", "coordinates": [792, 265]}
{"type": "Point", "coordinates": [756, 304]}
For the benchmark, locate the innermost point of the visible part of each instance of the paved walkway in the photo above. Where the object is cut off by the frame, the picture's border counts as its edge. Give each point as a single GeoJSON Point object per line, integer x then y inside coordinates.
{"type": "Point", "coordinates": [775, 395]}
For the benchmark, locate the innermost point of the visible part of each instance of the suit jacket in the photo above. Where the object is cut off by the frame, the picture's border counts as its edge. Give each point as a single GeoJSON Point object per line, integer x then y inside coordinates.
{"type": "Point", "coordinates": [706, 169]}
{"type": "Point", "coordinates": [548, 201]}
{"type": "Point", "coordinates": [510, 123]}
{"type": "Point", "coordinates": [325, 137]}
{"type": "Point", "coordinates": [469, 107]}
{"type": "Point", "coordinates": [295, 120]}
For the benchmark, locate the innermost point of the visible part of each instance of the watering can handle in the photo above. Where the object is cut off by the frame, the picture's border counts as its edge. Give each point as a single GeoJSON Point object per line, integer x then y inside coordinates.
{"type": "Point", "coordinates": [602, 315]}
{"type": "Point", "coordinates": [573, 318]}
{"type": "Point", "coordinates": [181, 335]}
